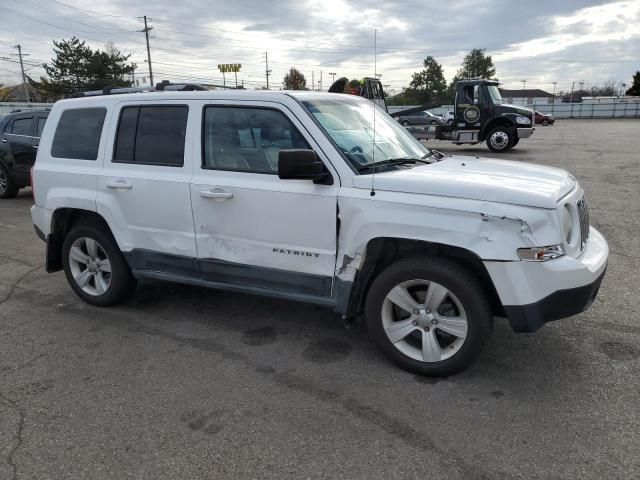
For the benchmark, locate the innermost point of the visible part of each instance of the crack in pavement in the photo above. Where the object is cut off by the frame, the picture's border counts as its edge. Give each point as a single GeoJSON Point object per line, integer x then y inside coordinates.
{"type": "Point", "coordinates": [17, 436]}
{"type": "Point", "coordinates": [17, 260]}
{"type": "Point", "coordinates": [17, 282]}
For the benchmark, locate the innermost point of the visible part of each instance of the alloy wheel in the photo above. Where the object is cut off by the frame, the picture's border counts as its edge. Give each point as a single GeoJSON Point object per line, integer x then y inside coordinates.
{"type": "Point", "coordinates": [424, 320]}
{"type": "Point", "coordinates": [90, 266]}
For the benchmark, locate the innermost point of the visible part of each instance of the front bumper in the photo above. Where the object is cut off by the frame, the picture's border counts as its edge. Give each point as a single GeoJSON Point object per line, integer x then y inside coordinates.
{"type": "Point", "coordinates": [534, 293]}
{"type": "Point", "coordinates": [560, 304]}
{"type": "Point", "coordinates": [525, 132]}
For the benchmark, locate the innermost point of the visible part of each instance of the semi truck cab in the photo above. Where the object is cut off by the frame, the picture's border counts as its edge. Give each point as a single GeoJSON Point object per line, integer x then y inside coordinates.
{"type": "Point", "coordinates": [482, 115]}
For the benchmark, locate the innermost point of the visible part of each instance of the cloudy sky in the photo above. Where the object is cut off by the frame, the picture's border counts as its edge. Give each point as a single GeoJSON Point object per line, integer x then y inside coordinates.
{"type": "Point", "coordinates": [540, 41]}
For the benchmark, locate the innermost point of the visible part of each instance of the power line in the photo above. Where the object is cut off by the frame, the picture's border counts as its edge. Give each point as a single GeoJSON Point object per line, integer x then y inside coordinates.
{"type": "Point", "coordinates": [23, 15]}
{"type": "Point", "coordinates": [49, 13]}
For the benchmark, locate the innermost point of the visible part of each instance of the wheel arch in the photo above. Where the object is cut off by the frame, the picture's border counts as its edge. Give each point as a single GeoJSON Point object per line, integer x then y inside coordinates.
{"type": "Point", "coordinates": [381, 252]}
{"type": "Point", "coordinates": [496, 122]}
{"type": "Point", "coordinates": [62, 221]}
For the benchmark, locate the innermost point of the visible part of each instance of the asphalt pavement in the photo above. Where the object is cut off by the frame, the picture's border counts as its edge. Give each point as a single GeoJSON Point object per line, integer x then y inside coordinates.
{"type": "Point", "coordinates": [190, 383]}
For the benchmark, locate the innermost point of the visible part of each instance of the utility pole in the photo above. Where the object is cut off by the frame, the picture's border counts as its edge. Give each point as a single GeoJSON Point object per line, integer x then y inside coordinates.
{"type": "Point", "coordinates": [313, 83]}
{"type": "Point", "coordinates": [571, 95]}
{"type": "Point", "coordinates": [146, 31]}
{"type": "Point", "coordinates": [24, 78]}
{"type": "Point", "coordinates": [320, 79]}
{"type": "Point", "coordinates": [267, 71]}
{"type": "Point", "coordinates": [333, 77]}
{"type": "Point", "coordinates": [554, 90]}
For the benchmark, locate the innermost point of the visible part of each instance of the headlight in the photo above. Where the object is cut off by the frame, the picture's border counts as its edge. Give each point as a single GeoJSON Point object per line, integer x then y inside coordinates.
{"type": "Point", "coordinates": [540, 254]}
{"type": "Point", "coordinates": [523, 120]}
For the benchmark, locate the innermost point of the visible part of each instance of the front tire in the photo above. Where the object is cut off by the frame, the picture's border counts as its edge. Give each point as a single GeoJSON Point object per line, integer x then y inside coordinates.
{"type": "Point", "coordinates": [429, 316]}
{"type": "Point", "coordinates": [545, 122]}
{"type": "Point", "coordinates": [404, 123]}
{"type": "Point", "coordinates": [500, 138]}
{"type": "Point", "coordinates": [8, 188]}
{"type": "Point", "coordinates": [95, 267]}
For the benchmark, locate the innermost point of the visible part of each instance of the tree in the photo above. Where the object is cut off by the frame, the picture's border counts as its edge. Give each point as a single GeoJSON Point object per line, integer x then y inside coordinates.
{"type": "Point", "coordinates": [428, 85]}
{"type": "Point", "coordinates": [635, 87]}
{"type": "Point", "coordinates": [294, 80]}
{"type": "Point", "coordinates": [477, 64]}
{"type": "Point", "coordinates": [76, 67]}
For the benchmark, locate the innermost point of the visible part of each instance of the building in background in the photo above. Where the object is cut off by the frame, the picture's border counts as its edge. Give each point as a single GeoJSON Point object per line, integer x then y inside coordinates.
{"type": "Point", "coordinates": [530, 96]}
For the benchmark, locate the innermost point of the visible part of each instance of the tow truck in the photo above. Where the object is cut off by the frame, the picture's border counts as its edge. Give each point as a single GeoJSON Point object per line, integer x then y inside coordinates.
{"type": "Point", "coordinates": [480, 114]}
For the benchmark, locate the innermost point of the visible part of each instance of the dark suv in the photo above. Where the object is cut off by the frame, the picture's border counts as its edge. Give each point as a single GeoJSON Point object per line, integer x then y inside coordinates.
{"type": "Point", "coordinates": [19, 137]}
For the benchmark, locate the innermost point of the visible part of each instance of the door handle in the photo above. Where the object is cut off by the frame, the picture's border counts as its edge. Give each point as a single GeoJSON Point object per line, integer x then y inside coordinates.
{"type": "Point", "coordinates": [217, 193]}
{"type": "Point", "coordinates": [119, 184]}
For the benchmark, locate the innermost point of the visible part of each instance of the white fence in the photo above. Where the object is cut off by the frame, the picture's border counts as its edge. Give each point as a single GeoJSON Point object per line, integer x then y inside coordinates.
{"type": "Point", "coordinates": [591, 110]}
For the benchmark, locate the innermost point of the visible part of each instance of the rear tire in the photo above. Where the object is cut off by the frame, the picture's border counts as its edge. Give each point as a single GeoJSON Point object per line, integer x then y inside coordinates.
{"type": "Point", "coordinates": [95, 267]}
{"type": "Point", "coordinates": [456, 315]}
{"type": "Point", "coordinates": [500, 138]}
{"type": "Point", "coordinates": [8, 188]}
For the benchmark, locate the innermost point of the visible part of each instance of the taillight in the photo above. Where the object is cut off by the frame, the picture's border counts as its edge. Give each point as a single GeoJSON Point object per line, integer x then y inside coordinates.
{"type": "Point", "coordinates": [33, 187]}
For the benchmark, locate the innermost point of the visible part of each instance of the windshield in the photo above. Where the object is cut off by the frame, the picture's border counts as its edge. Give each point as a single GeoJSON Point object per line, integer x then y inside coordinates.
{"type": "Point", "coordinates": [349, 123]}
{"type": "Point", "coordinates": [494, 93]}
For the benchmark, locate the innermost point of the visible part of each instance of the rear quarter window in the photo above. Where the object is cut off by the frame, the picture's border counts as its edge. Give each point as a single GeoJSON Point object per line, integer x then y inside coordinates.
{"type": "Point", "coordinates": [78, 133]}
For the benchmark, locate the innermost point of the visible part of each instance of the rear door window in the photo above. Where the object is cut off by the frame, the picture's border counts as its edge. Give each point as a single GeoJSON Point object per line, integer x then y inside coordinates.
{"type": "Point", "coordinates": [22, 126]}
{"type": "Point", "coordinates": [78, 134]}
{"type": "Point", "coordinates": [151, 135]}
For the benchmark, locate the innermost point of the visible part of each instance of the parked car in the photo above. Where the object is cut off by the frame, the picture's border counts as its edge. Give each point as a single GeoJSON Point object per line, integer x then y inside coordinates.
{"type": "Point", "coordinates": [19, 137]}
{"type": "Point", "coordinates": [420, 118]}
{"type": "Point", "coordinates": [449, 117]}
{"type": "Point", "coordinates": [286, 194]}
{"type": "Point", "coordinates": [544, 119]}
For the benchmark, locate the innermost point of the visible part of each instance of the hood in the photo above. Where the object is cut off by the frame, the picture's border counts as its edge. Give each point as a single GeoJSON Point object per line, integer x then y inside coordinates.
{"type": "Point", "coordinates": [519, 109]}
{"type": "Point", "coordinates": [476, 178]}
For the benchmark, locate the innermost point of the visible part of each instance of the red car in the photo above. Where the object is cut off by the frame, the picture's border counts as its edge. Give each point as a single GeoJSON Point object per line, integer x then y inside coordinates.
{"type": "Point", "coordinates": [544, 119]}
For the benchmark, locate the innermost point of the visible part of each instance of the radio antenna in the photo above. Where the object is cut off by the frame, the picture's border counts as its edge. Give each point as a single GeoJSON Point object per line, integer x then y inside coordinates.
{"type": "Point", "coordinates": [370, 92]}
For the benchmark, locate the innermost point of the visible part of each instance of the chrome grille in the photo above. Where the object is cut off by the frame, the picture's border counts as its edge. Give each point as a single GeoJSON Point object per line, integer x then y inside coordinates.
{"type": "Point", "coordinates": [583, 213]}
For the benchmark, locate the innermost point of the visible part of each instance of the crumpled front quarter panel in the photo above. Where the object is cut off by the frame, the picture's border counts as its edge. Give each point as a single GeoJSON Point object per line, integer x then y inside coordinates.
{"type": "Point", "coordinates": [488, 230]}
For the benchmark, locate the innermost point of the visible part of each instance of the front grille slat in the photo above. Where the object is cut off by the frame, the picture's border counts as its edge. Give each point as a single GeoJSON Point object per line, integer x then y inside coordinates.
{"type": "Point", "coordinates": [583, 215]}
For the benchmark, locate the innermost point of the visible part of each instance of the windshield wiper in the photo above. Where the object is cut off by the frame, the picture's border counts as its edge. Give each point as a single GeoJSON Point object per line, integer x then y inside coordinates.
{"type": "Point", "coordinates": [393, 161]}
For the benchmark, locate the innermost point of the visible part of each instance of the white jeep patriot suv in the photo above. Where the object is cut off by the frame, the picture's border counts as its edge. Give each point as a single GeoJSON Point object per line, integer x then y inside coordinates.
{"type": "Point", "coordinates": [304, 196]}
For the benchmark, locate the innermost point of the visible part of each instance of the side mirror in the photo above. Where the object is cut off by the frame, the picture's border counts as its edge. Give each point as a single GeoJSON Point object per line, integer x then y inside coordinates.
{"type": "Point", "coordinates": [302, 165]}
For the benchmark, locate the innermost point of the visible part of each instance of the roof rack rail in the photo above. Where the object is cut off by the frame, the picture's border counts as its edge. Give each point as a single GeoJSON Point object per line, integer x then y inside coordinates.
{"type": "Point", "coordinates": [179, 87]}
{"type": "Point", "coordinates": [165, 85]}
{"type": "Point", "coordinates": [29, 109]}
